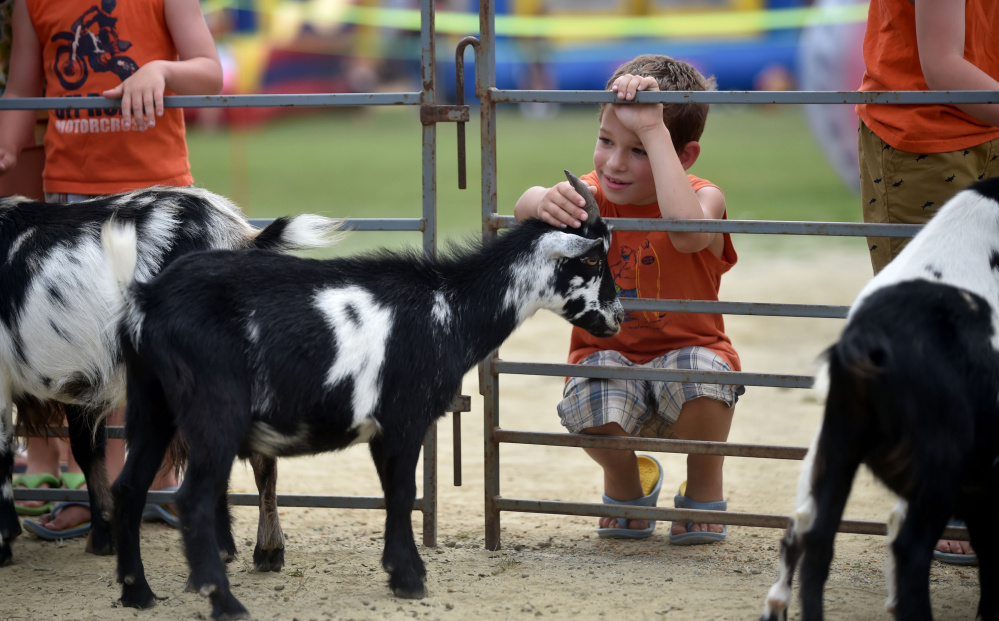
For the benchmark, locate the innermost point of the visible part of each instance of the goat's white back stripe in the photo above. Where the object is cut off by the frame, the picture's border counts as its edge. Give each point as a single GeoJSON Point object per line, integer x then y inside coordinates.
{"type": "Point", "coordinates": [360, 330]}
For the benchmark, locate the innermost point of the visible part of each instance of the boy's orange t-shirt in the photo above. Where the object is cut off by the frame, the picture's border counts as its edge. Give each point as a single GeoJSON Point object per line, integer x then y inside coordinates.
{"type": "Point", "coordinates": [892, 64]}
{"type": "Point", "coordinates": [645, 265]}
{"type": "Point", "coordinates": [87, 150]}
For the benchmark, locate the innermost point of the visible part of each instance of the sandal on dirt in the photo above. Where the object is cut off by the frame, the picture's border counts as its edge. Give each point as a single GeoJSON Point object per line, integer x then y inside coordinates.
{"type": "Point", "coordinates": [56, 535]}
{"type": "Point", "coordinates": [953, 558]}
{"type": "Point", "coordinates": [162, 513]}
{"type": "Point", "coordinates": [34, 481]}
{"type": "Point", "coordinates": [690, 538]}
{"type": "Point", "coordinates": [651, 474]}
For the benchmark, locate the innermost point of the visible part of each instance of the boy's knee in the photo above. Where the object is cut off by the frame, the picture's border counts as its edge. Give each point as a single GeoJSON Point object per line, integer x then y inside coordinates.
{"type": "Point", "coordinates": [607, 429]}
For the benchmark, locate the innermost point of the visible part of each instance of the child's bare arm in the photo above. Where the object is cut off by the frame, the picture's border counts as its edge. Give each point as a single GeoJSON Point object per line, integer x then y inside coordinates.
{"type": "Point", "coordinates": [197, 72]}
{"type": "Point", "coordinates": [940, 36]}
{"type": "Point", "coordinates": [677, 200]}
{"type": "Point", "coordinates": [26, 79]}
{"type": "Point", "coordinates": [559, 205]}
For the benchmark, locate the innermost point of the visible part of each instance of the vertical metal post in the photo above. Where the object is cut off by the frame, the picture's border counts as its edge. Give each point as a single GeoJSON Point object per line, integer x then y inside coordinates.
{"type": "Point", "coordinates": [428, 96]}
{"type": "Point", "coordinates": [485, 79]}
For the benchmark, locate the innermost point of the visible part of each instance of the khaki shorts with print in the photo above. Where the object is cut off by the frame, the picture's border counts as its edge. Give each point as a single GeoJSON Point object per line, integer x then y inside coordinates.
{"type": "Point", "coordinates": [899, 187]}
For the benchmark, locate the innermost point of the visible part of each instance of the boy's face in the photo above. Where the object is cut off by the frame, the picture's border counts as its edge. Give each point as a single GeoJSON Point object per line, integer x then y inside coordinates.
{"type": "Point", "coordinates": [622, 165]}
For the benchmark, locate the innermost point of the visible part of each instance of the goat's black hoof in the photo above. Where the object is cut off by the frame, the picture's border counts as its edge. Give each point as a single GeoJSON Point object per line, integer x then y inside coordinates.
{"type": "Point", "coordinates": [225, 607]}
{"type": "Point", "coordinates": [268, 560]}
{"type": "Point", "coordinates": [137, 596]}
{"type": "Point", "coordinates": [408, 591]}
{"type": "Point", "coordinates": [101, 544]}
{"type": "Point", "coordinates": [226, 556]}
{"type": "Point", "coordinates": [6, 554]}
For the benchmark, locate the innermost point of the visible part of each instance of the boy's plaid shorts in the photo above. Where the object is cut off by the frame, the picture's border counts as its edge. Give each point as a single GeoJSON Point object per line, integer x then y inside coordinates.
{"type": "Point", "coordinates": [642, 407]}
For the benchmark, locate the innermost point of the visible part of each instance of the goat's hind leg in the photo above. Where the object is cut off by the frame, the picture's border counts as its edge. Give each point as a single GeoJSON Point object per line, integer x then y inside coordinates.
{"type": "Point", "coordinates": [207, 477]}
{"type": "Point", "coordinates": [400, 558]}
{"type": "Point", "coordinates": [925, 521]}
{"type": "Point", "coordinates": [88, 441]}
{"type": "Point", "coordinates": [820, 514]}
{"type": "Point", "coordinates": [982, 525]}
{"type": "Point", "coordinates": [779, 595]}
{"type": "Point", "coordinates": [268, 555]}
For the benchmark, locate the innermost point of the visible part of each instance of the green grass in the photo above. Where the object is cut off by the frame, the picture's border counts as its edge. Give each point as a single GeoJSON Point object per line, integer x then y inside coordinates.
{"type": "Point", "coordinates": [366, 163]}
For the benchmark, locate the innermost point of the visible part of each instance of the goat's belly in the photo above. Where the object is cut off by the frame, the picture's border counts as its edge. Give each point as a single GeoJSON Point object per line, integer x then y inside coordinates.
{"type": "Point", "coordinates": [76, 389]}
{"type": "Point", "coordinates": [304, 440]}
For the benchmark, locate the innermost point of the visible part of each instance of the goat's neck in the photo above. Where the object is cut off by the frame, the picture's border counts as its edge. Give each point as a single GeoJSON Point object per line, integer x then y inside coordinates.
{"type": "Point", "coordinates": [490, 302]}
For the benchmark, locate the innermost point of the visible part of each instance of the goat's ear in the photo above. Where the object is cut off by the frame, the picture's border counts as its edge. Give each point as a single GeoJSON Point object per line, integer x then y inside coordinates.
{"type": "Point", "coordinates": [559, 245]}
{"type": "Point", "coordinates": [592, 210]}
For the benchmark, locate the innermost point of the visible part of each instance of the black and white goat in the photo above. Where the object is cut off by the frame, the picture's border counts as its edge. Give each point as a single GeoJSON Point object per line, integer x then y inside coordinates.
{"type": "Point", "coordinates": [914, 395]}
{"type": "Point", "coordinates": [58, 338]}
{"type": "Point", "coordinates": [251, 351]}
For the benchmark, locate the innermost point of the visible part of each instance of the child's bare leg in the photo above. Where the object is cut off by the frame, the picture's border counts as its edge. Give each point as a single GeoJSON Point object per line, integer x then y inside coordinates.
{"type": "Point", "coordinates": [709, 420]}
{"type": "Point", "coordinates": [621, 480]}
{"type": "Point", "coordinates": [43, 456]}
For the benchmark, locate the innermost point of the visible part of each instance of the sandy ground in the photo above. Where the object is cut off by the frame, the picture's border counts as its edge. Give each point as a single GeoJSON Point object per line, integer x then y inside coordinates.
{"type": "Point", "coordinates": [549, 566]}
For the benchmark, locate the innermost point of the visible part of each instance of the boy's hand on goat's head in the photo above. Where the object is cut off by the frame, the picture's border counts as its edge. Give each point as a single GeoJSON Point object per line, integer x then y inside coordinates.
{"type": "Point", "coordinates": [637, 117]}
{"type": "Point", "coordinates": [562, 206]}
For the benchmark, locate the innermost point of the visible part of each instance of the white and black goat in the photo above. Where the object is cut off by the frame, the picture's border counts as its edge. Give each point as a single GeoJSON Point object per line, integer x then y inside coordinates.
{"type": "Point", "coordinates": [58, 337]}
{"type": "Point", "coordinates": [251, 351]}
{"type": "Point", "coordinates": [914, 395]}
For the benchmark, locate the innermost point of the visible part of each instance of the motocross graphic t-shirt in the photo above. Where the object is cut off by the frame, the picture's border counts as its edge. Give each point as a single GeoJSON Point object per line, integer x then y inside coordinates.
{"type": "Point", "coordinates": [89, 46]}
{"type": "Point", "coordinates": [646, 265]}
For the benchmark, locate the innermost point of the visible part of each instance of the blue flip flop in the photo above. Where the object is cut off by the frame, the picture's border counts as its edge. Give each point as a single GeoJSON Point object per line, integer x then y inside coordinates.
{"type": "Point", "coordinates": [56, 535]}
{"type": "Point", "coordinates": [161, 513]}
{"type": "Point", "coordinates": [955, 559]}
{"type": "Point", "coordinates": [695, 538]}
{"type": "Point", "coordinates": [651, 474]}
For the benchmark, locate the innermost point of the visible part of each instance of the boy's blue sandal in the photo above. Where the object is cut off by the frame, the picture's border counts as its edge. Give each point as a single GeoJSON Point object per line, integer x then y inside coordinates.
{"type": "Point", "coordinates": [955, 559]}
{"type": "Point", "coordinates": [34, 481]}
{"type": "Point", "coordinates": [55, 535]}
{"type": "Point", "coordinates": [161, 513]}
{"type": "Point", "coordinates": [693, 538]}
{"type": "Point", "coordinates": [651, 474]}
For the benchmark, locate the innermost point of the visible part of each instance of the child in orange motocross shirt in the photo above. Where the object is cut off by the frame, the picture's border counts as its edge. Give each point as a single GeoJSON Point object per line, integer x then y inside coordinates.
{"type": "Point", "coordinates": [640, 162]}
{"type": "Point", "coordinates": [169, 51]}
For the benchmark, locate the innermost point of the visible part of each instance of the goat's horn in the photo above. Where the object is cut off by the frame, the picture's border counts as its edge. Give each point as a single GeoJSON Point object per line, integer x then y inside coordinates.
{"type": "Point", "coordinates": [592, 210]}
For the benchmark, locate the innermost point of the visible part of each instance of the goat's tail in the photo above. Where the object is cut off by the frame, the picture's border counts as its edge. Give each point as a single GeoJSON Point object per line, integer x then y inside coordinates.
{"type": "Point", "coordinates": [299, 232]}
{"type": "Point", "coordinates": [863, 350]}
{"type": "Point", "coordinates": [119, 241]}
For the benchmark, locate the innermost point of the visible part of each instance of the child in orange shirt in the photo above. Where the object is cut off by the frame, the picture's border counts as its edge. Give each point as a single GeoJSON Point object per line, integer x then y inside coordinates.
{"type": "Point", "coordinates": [640, 161]}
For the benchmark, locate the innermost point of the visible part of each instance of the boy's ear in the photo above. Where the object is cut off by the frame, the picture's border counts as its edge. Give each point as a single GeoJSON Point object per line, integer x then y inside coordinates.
{"type": "Point", "coordinates": [689, 154]}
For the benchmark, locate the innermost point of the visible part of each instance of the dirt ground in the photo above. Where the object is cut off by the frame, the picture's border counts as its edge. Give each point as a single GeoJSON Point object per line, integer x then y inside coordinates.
{"type": "Point", "coordinates": [549, 566]}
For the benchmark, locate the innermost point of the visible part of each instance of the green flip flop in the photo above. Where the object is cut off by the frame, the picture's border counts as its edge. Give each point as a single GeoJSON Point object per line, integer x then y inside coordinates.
{"type": "Point", "coordinates": [74, 480]}
{"type": "Point", "coordinates": [34, 481]}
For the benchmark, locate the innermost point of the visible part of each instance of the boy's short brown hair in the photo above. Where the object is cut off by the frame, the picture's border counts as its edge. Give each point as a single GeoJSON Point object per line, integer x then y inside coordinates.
{"type": "Point", "coordinates": [685, 121]}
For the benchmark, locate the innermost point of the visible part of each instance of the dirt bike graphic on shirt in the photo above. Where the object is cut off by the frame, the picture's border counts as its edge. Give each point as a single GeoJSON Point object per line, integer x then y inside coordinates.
{"type": "Point", "coordinates": [93, 40]}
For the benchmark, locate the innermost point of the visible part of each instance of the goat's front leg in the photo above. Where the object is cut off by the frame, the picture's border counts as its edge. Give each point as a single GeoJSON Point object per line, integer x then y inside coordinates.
{"type": "Point", "coordinates": [88, 440]}
{"type": "Point", "coordinates": [146, 451]}
{"type": "Point", "coordinates": [10, 527]}
{"type": "Point", "coordinates": [398, 476]}
{"type": "Point", "coordinates": [269, 552]}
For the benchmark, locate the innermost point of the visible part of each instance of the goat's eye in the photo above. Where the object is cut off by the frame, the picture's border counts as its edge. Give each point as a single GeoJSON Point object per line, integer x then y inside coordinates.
{"type": "Point", "coordinates": [591, 261]}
